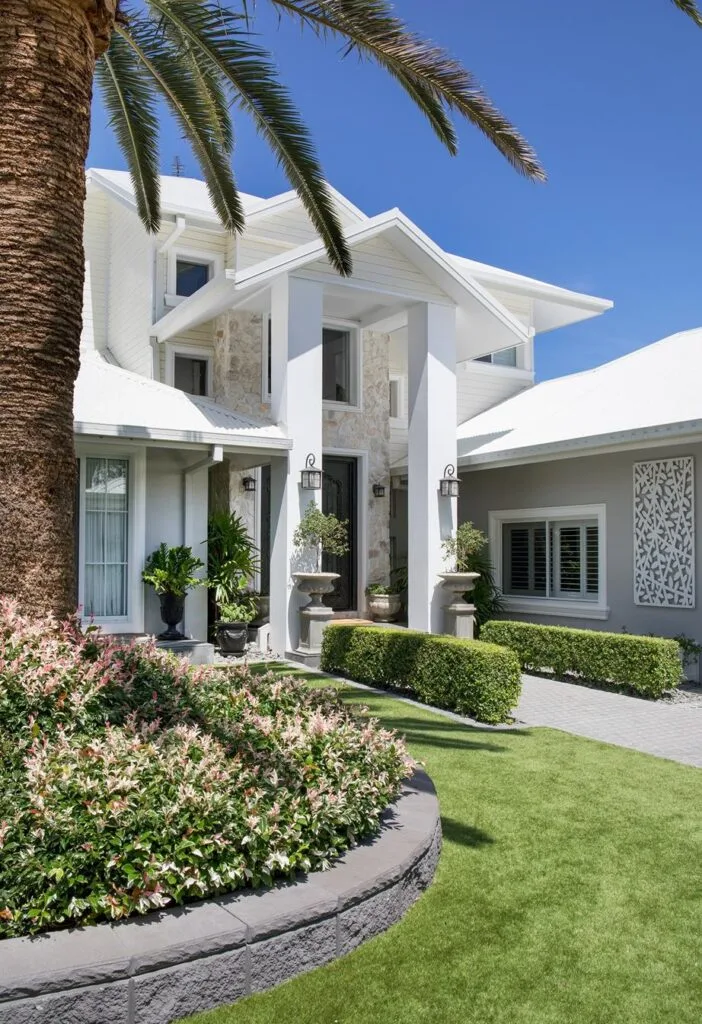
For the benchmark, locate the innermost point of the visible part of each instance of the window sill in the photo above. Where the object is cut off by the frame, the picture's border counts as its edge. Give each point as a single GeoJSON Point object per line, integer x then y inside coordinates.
{"type": "Point", "coordinates": [560, 609]}
{"type": "Point", "coordinates": [340, 407]}
{"type": "Point", "coordinates": [174, 300]}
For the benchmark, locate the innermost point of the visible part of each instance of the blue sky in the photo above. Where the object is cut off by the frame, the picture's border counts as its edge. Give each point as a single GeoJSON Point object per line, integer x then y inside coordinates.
{"type": "Point", "coordinates": [610, 94]}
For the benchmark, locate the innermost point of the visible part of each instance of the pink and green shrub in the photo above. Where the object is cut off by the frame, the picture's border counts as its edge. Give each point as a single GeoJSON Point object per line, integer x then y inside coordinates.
{"type": "Point", "coordinates": [129, 781]}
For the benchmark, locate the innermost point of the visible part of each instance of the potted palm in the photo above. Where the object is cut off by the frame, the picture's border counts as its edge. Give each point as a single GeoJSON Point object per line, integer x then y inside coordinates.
{"type": "Point", "coordinates": [384, 601]}
{"type": "Point", "coordinates": [171, 572]}
{"type": "Point", "coordinates": [231, 564]}
{"type": "Point", "coordinates": [317, 532]}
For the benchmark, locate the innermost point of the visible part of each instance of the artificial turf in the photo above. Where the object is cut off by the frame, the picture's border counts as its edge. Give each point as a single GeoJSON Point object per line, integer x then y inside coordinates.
{"type": "Point", "coordinates": [569, 891]}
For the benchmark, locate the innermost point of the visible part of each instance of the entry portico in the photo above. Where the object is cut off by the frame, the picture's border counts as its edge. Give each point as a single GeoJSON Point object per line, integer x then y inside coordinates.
{"type": "Point", "coordinates": [405, 287]}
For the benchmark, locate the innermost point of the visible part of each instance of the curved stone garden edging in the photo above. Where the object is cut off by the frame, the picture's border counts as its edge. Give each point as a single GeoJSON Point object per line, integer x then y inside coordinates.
{"type": "Point", "coordinates": [159, 968]}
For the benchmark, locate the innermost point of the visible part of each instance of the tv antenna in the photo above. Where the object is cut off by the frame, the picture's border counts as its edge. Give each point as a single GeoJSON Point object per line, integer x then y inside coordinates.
{"type": "Point", "coordinates": [178, 167]}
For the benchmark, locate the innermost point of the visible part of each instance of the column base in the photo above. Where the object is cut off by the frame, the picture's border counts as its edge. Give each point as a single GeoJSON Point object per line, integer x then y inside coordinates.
{"type": "Point", "coordinates": [313, 619]}
{"type": "Point", "coordinates": [460, 620]}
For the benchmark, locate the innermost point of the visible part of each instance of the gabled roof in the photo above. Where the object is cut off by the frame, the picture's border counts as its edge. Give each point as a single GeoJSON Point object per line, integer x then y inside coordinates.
{"type": "Point", "coordinates": [111, 402]}
{"type": "Point", "coordinates": [186, 196]}
{"type": "Point", "coordinates": [652, 393]}
{"type": "Point", "coordinates": [232, 286]}
{"type": "Point", "coordinates": [553, 306]}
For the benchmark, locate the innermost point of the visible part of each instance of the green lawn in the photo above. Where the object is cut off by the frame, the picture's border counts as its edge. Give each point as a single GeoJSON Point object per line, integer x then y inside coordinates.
{"type": "Point", "coordinates": [569, 891]}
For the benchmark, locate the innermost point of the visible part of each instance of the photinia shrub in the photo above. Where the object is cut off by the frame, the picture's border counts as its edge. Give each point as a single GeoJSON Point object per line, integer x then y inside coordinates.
{"type": "Point", "coordinates": [129, 781]}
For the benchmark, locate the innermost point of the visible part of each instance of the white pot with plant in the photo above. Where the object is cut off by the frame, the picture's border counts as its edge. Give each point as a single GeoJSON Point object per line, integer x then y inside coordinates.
{"type": "Point", "coordinates": [317, 533]}
{"type": "Point", "coordinates": [384, 602]}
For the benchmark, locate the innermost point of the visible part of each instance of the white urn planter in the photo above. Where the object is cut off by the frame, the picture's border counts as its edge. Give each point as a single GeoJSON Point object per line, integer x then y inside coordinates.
{"type": "Point", "coordinates": [315, 615]}
{"type": "Point", "coordinates": [384, 607]}
{"type": "Point", "coordinates": [460, 616]}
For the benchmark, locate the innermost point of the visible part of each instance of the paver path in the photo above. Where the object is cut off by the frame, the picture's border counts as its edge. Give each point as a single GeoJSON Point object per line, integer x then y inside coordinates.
{"type": "Point", "coordinates": [673, 731]}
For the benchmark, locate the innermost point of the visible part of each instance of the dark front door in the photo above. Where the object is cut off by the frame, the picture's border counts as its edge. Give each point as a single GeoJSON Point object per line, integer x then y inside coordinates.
{"type": "Point", "coordinates": [339, 495]}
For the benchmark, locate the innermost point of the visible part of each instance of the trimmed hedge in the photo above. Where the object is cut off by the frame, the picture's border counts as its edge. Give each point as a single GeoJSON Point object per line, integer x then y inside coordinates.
{"type": "Point", "coordinates": [649, 665]}
{"type": "Point", "coordinates": [468, 676]}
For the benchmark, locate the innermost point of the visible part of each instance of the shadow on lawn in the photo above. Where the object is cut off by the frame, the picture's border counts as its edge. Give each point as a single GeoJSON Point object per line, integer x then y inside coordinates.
{"type": "Point", "coordinates": [464, 835]}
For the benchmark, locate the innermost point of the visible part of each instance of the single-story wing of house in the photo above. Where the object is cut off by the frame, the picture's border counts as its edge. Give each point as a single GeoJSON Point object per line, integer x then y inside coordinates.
{"type": "Point", "coordinates": [589, 491]}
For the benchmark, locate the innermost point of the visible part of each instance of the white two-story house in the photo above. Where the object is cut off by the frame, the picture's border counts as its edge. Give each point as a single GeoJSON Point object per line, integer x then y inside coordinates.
{"type": "Point", "coordinates": [215, 367]}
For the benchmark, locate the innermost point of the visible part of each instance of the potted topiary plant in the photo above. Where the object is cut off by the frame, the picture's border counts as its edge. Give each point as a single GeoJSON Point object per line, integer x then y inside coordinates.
{"type": "Point", "coordinates": [233, 624]}
{"type": "Point", "coordinates": [383, 601]}
{"type": "Point", "coordinates": [460, 580]}
{"type": "Point", "coordinates": [171, 572]}
{"type": "Point", "coordinates": [316, 533]}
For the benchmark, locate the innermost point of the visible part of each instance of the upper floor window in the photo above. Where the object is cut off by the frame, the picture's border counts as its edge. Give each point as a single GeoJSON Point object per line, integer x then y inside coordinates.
{"type": "Point", "coordinates": [190, 374]}
{"type": "Point", "coordinates": [191, 275]}
{"type": "Point", "coordinates": [339, 365]}
{"type": "Point", "coordinates": [507, 357]}
{"type": "Point", "coordinates": [189, 368]}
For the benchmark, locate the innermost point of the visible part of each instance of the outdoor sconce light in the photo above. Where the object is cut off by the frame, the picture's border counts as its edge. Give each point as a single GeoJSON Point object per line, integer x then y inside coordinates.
{"type": "Point", "coordinates": [448, 485]}
{"type": "Point", "coordinates": [311, 478]}
{"type": "Point", "coordinates": [379, 490]}
{"type": "Point", "coordinates": [249, 483]}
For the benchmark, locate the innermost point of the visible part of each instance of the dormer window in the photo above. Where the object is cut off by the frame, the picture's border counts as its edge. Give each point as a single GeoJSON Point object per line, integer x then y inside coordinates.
{"type": "Point", "coordinates": [189, 270]}
{"type": "Point", "coordinates": [191, 275]}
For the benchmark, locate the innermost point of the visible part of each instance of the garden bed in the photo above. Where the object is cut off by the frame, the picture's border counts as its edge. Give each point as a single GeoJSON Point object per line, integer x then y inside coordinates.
{"type": "Point", "coordinates": [130, 782]}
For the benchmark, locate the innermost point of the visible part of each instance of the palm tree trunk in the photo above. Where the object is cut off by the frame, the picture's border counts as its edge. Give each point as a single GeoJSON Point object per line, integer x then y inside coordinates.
{"type": "Point", "coordinates": [48, 50]}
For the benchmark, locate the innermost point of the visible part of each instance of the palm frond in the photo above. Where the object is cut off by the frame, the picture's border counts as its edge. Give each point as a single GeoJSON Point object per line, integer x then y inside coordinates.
{"type": "Point", "coordinates": [171, 72]}
{"type": "Point", "coordinates": [371, 29]}
{"type": "Point", "coordinates": [218, 42]}
{"type": "Point", "coordinates": [129, 99]}
{"type": "Point", "coordinates": [691, 8]}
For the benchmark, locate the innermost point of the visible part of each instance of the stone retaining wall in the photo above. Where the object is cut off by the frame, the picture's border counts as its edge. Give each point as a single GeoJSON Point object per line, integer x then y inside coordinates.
{"type": "Point", "coordinates": [165, 966]}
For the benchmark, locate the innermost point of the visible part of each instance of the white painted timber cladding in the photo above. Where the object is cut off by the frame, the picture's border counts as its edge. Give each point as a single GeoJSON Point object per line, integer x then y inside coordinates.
{"type": "Point", "coordinates": [252, 250]}
{"type": "Point", "coordinates": [381, 264]}
{"type": "Point", "coordinates": [292, 227]}
{"type": "Point", "coordinates": [129, 305]}
{"type": "Point", "coordinates": [96, 243]}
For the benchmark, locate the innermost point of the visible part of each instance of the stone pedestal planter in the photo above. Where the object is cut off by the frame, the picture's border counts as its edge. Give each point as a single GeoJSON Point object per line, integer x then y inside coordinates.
{"type": "Point", "coordinates": [460, 616]}
{"type": "Point", "coordinates": [315, 615]}
{"type": "Point", "coordinates": [384, 607]}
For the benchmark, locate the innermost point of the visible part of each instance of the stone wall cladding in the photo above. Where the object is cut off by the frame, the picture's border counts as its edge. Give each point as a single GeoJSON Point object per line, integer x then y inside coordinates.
{"type": "Point", "coordinates": [368, 429]}
{"type": "Point", "coordinates": [163, 967]}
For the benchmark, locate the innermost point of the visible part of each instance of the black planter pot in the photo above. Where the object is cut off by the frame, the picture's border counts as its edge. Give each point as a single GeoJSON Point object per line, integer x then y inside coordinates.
{"type": "Point", "coordinates": [172, 611]}
{"type": "Point", "coordinates": [232, 637]}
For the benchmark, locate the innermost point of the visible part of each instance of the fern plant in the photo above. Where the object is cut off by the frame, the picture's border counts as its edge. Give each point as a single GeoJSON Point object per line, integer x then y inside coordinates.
{"type": "Point", "coordinates": [171, 570]}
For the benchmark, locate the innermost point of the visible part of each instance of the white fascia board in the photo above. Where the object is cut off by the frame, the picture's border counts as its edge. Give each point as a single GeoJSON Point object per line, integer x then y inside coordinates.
{"type": "Point", "coordinates": [599, 444]}
{"type": "Point", "coordinates": [532, 287]}
{"type": "Point", "coordinates": [184, 437]}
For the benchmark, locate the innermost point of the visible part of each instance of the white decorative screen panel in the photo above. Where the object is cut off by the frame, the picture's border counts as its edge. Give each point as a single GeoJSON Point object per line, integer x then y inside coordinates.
{"type": "Point", "coordinates": [664, 533]}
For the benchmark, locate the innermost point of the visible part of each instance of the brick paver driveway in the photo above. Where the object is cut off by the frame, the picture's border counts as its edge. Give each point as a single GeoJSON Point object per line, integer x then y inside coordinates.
{"type": "Point", "coordinates": [673, 731]}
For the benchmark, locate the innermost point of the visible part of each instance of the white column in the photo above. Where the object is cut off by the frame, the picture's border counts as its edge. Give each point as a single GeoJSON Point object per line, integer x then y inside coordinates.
{"type": "Point", "coordinates": [296, 404]}
{"type": "Point", "coordinates": [431, 345]}
{"type": "Point", "coordinates": [194, 533]}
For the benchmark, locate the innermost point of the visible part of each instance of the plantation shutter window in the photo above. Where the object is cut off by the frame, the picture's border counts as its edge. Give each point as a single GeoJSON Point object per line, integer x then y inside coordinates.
{"type": "Point", "coordinates": [106, 544]}
{"type": "Point", "coordinates": [559, 559]}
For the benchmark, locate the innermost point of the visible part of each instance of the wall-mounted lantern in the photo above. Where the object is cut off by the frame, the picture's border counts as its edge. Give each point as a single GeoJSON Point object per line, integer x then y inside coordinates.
{"type": "Point", "coordinates": [311, 477]}
{"type": "Point", "coordinates": [448, 485]}
{"type": "Point", "coordinates": [379, 490]}
{"type": "Point", "coordinates": [249, 483]}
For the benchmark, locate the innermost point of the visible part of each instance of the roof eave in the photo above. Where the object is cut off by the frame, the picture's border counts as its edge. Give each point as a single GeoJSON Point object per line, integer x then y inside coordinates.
{"type": "Point", "coordinates": [229, 439]}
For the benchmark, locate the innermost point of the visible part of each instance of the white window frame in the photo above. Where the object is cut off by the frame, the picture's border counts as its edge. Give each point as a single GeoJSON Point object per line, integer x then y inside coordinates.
{"type": "Point", "coordinates": [565, 607]}
{"type": "Point", "coordinates": [205, 352]}
{"type": "Point", "coordinates": [265, 327]}
{"type": "Point", "coordinates": [133, 621]}
{"type": "Point", "coordinates": [356, 364]}
{"type": "Point", "coordinates": [215, 262]}
{"type": "Point", "coordinates": [401, 381]}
